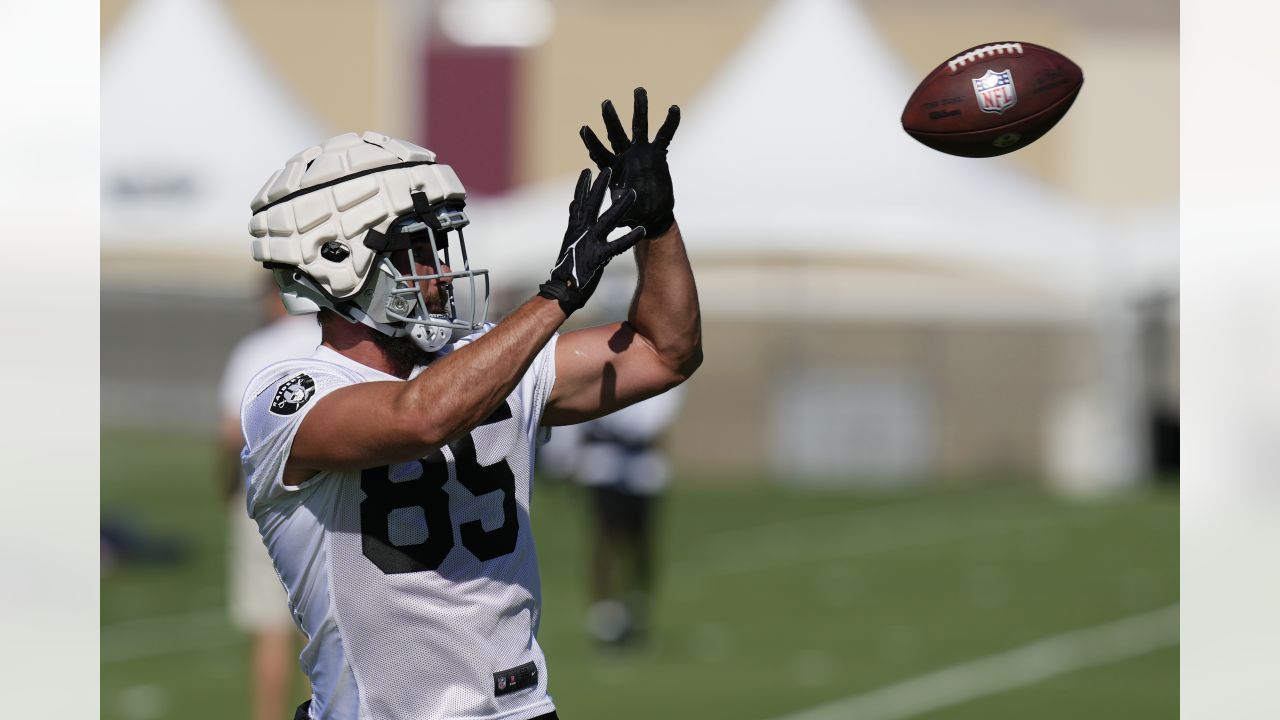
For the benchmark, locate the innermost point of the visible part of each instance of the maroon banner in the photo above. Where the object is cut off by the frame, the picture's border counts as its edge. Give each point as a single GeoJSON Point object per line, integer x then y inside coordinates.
{"type": "Point", "coordinates": [469, 112]}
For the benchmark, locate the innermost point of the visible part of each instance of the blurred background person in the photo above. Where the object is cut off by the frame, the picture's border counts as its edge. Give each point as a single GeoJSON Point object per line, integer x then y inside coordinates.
{"type": "Point", "coordinates": [619, 460]}
{"type": "Point", "coordinates": [257, 601]}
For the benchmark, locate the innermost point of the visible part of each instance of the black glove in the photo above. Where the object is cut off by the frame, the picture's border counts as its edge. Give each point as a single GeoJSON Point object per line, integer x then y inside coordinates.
{"type": "Point", "coordinates": [638, 164]}
{"type": "Point", "coordinates": [586, 249]}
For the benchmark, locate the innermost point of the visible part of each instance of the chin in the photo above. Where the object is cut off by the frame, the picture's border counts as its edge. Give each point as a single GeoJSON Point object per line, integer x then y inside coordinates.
{"type": "Point", "coordinates": [403, 352]}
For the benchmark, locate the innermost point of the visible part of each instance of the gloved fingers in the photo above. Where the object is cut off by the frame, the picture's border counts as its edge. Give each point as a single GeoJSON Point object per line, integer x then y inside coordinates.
{"type": "Point", "coordinates": [668, 129]}
{"type": "Point", "coordinates": [580, 196]}
{"type": "Point", "coordinates": [589, 286]}
{"type": "Point", "coordinates": [613, 216]}
{"type": "Point", "coordinates": [617, 191]}
{"type": "Point", "coordinates": [626, 242]}
{"type": "Point", "coordinates": [596, 196]}
{"type": "Point", "coordinates": [640, 117]}
{"type": "Point", "coordinates": [599, 155]}
{"type": "Point", "coordinates": [613, 126]}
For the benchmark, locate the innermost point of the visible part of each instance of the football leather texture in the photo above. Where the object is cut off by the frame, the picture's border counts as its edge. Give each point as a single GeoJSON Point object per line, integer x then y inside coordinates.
{"type": "Point", "coordinates": [992, 99]}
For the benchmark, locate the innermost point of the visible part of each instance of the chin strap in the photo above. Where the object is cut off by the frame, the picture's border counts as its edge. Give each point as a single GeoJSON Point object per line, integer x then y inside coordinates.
{"type": "Point", "coordinates": [430, 338]}
{"type": "Point", "coordinates": [301, 296]}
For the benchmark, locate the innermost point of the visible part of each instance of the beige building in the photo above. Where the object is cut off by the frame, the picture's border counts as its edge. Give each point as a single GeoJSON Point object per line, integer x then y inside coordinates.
{"type": "Point", "coordinates": [354, 64]}
{"type": "Point", "coordinates": [892, 368]}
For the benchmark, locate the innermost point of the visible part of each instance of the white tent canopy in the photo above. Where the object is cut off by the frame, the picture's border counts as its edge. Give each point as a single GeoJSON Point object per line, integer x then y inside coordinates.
{"type": "Point", "coordinates": [796, 151]}
{"type": "Point", "coordinates": [192, 124]}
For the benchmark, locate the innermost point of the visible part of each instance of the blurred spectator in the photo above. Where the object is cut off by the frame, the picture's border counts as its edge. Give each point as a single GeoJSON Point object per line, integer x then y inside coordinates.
{"type": "Point", "coordinates": [258, 604]}
{"type": "Point", "coordinates": [122, 539]}
{"type": "Point", "coordinates": [617, 459]}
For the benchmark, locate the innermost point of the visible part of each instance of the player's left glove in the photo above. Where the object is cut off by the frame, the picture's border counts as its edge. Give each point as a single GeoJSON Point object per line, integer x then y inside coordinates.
{"type": "Point", "coordinates": [638, 164]}
{"type": "Point", "coordinates": [586, 248]}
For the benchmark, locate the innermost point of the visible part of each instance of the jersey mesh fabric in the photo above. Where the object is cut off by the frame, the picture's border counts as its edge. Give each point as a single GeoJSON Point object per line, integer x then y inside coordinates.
{"type": "Point", "coordinates": [416, 582]}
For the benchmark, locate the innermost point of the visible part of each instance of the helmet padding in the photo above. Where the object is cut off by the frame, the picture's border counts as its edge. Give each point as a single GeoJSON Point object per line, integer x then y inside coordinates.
{"type": "Point", "coordinates": [315, 221]}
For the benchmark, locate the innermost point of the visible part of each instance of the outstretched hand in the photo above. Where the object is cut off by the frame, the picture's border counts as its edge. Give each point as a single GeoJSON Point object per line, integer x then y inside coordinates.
{"type": "Point", "coordinates": [638, 164]}
{"type": "Point", "coordinates": [586, 248]}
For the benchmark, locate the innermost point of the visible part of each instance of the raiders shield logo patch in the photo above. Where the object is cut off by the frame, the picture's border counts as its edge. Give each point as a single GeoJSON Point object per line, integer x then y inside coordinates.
{"type": "Point", "coordinates": [293, 394]}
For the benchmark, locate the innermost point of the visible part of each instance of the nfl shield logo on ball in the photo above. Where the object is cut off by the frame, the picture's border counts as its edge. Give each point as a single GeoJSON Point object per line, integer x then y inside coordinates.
{"type": "Point", "coordinates": [995, 91]}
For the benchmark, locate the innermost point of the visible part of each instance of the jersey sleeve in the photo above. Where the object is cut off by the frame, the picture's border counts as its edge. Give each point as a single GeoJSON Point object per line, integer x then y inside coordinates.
{"type": "Point", "coordinates": [289, 338]}
{"type": "Point", "coordinates": [275, 404]}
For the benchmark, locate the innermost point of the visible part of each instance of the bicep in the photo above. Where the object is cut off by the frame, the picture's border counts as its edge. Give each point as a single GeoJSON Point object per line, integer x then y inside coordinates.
{"type": "Point", "coordinates": [602, 369]}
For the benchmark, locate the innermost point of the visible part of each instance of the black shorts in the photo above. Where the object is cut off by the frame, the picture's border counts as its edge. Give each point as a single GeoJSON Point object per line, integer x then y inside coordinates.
{"type": "Point", "coordinates": [303, 711]}
{"type": "Point", "coordinates": [622, 511]}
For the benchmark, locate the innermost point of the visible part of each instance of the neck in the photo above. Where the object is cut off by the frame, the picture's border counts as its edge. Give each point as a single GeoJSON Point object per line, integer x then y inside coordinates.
{"type": "Point", "coordinates": [356, 342]}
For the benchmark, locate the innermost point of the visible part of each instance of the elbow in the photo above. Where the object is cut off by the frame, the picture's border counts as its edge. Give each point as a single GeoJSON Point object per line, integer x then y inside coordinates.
{"type": "Point", "coordinates": [679, 355]}
{"type": "Point", "coordinates": [417, 442]}
{"type": "Point", "coordinates": [684, 364]}
{"type": "Point", "coordinates": [691, 362]}
{"type": "Point", "coordinates": [437, 428]}
{"type": "Point", "coordinates": [427, 440]}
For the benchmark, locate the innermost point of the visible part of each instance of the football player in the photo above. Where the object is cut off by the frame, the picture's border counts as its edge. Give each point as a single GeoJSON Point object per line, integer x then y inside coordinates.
{"type": "Point", "coordinates": [390, 472]}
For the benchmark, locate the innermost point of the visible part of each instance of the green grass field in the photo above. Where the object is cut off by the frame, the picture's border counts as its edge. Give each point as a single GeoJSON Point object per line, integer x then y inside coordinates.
{"type": "Point", "coordinates": [772, 601]}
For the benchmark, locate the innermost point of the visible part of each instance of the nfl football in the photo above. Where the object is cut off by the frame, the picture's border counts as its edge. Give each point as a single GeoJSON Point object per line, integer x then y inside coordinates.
{"type": "Point", "coordinates": [992, 99]}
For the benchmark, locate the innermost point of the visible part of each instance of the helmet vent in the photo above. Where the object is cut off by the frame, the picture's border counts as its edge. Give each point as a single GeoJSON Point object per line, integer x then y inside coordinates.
{"type": "Point", "coordinates": [334, 251]}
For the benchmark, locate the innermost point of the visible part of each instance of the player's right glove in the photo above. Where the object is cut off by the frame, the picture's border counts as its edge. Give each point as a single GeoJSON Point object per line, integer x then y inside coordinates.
{"type": "Point", "coordinates": [637, 163]}
{"type": "Point", "coordinates": [587, 249]}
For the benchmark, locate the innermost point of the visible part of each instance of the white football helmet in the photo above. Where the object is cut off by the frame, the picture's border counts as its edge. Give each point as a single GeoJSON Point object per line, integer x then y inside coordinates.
{"type": "Point", "coordinates": [327, 223]}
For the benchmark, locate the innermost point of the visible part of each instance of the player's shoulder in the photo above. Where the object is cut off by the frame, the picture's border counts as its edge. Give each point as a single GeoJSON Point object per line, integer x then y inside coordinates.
{"type": "Point", "coordinates": [295, 382]}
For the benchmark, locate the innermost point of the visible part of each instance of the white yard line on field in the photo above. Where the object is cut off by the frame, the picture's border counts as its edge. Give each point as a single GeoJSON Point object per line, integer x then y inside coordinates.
{"type": "Point", "coordinates": [994, 674]}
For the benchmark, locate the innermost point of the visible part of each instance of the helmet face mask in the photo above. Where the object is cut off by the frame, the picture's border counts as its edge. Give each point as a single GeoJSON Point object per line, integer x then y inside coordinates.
{"type": "Point", "coordinates": [396, 286]}
{"type": "Point", "coordinates": [334, 221]}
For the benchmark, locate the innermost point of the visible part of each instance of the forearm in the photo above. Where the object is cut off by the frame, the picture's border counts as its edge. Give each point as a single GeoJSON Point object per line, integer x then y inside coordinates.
{"type": "Point", "coordinates": [459, 391]}
{"type": "Point", "coordinates": [401, 421]}
{"type": "Point", "coordinates": [665, 309]}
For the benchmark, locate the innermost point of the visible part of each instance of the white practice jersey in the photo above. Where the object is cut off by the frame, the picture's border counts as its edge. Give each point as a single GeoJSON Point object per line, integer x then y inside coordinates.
{"type": "Point", "coordinates": [416, 584]}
